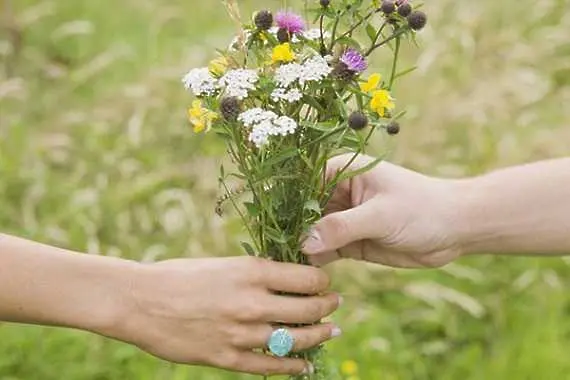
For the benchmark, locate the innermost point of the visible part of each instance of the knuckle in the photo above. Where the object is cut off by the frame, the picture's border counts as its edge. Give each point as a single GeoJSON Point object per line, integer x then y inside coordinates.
{"type": "Point", "coordinates": [317, 281]}
{"type": "Point", "coordinates": [250, 311]}
{"type": "Point", "coordinates": [336, 226]}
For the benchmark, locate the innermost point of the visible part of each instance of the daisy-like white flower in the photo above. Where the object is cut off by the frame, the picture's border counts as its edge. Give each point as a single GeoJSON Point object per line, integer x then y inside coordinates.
{"type": "Point", "coordinates": [290, 96]}
{"type": "Point", "coordinates": [239, 82]}
{"type": "Point", "coordinates": [200, 82]}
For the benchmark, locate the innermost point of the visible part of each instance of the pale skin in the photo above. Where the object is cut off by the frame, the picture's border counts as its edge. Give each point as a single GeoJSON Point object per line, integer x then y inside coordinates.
{"type": "Point", "coordinates": [400, 218]}
{"type": "Point", "coordinates": [213, 312]}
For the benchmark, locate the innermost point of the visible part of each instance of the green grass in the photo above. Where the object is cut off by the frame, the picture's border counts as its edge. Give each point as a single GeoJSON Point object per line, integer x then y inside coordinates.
{"type": "Point", "coordinates": [95, 155]}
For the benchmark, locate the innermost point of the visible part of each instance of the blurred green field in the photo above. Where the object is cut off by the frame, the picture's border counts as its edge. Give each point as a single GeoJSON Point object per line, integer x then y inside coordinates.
{"type": "Point", "coordinates": [96, 155]}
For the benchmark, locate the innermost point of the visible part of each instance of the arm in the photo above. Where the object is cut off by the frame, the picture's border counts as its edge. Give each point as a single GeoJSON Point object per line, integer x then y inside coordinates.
{"type": "Point", "coordinates": [519, 210]}
{"type": "Point", "coordinates": [401, 218]}
{"type": "Point", "coordinates": [211, 312]}
{"type": "Point", "coordinates": [44, 285]}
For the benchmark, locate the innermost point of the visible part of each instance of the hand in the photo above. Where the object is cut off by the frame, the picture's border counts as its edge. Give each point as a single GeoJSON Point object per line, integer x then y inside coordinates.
{"type": "Point", "coordinates": [388, 215]}
{"type": "Point", "coordinates": [215, 312]}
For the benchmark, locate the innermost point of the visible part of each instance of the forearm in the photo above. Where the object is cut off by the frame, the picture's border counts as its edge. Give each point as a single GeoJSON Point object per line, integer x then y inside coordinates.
{"type": "Point", "coordinates": [44, 285]}
{"type": "Point", "coordinates": [519, 210]}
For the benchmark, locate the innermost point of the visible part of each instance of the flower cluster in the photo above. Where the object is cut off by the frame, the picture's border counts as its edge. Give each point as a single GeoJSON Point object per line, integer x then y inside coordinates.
{"type": "Point", "coordinates": [264, 124]}
{"type": "Point", "coordinates": [286, 97]}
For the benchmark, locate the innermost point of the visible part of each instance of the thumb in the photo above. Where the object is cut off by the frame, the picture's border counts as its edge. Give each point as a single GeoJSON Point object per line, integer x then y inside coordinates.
{"type": "Point", "coordinates": [339, 229]}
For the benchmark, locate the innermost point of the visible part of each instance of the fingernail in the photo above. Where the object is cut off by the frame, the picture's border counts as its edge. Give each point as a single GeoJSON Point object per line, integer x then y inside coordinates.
{"type": "Point", "coordinates": [340, 300]}
{"type": "Point", "coordinates": [309, 369]}
{"type": "Point", "coordinates": [313, 244]}
{"type": "Point", "coordinates": [336, 332]}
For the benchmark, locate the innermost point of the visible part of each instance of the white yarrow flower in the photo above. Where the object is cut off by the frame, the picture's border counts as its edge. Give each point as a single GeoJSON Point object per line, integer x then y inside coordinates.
{"type": "Point", "coordinates": [315, 34]}
{"type": "Point", "coordinates": [200, 82]}
{"type": "Point", "coordinates": [265, 124]}
{"type": "Point", "coordinates": [239, 82]}
{"type": "Point", "coordinates": [315, 69]}
{"type": "Point", "coordinates": [286, 75]}
{"type": "Point", "coordinates": [290, 96]}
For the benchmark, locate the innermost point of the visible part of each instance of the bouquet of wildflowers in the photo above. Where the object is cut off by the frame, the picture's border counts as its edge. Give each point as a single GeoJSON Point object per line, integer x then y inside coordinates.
{"type": "Point", "coordinates": [286, 98]}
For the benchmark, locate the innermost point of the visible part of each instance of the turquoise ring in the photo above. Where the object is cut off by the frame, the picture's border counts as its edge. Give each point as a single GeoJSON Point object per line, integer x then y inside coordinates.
{"type": "Point", "coordinates": [281, 342]}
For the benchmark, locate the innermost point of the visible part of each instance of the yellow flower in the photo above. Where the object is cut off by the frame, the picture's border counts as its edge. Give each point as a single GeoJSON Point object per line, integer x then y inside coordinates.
{"type": "Point", "coordinates": [282, 53]}
{"type": "Point", "coordinates": [381, 101]}
{"type": "Point", "coordinates": [372, 83]}
{"type": "Point", "coordinates": [349, 368]}
{"type": "Point", "coordinates": [200, 117]}
{"type": "Point", "coordinates": [218, 66]}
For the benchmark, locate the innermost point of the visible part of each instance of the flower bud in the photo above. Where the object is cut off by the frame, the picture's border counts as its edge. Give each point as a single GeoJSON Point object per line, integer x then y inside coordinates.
{"type": "Point", "coordinates": [357, 120]}
{"type": "Point", "coordinates": [417, 20]}
{"type": "Point", "coordinates": [404, 10]}
{"type": "Point", "coordinates": [283, 35]}
{"type": "Point", "coordinates": [342, 72]}
{"type": "Point", "coordinates": [388, 7]}
{"type": "Point", "coordinates": [325, 3]}
{"type": "Point", "coordinates": [263, 20]}
{"type": "Point", "coordinates": [230, 108]}
{"type": "Point", "coordinates": [393, 128]}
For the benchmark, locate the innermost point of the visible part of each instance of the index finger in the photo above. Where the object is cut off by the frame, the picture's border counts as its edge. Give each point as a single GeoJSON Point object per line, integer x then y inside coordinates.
{"type": "Point", "coordinates": [295, 278]}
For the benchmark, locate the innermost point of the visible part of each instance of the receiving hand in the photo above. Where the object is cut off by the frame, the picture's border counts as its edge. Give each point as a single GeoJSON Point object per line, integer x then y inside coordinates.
{"type": "Point", "coordinates": [388, 215]}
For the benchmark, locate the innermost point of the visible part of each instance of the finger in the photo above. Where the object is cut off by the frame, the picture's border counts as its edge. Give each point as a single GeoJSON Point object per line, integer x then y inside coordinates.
{"type": "Point", "coordinates": [305, 310]}
{"type": "Point", "coordinates": [325, 258]}
{"type": "Point", "coordinates": [338, 163]}
{"type": "Point", "coordinates": [294, 278]}
{"type": "Point", "coordinates": [340, 229]}
{"type": "Point", "coordinates": [261, 364]}
{"type": "Point", "coordinates": [304, 337]}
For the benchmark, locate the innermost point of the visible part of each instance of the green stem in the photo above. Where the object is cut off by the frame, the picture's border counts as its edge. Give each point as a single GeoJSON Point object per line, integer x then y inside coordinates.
{"type": "Point", "coordinates": [395, 62]}
{"type": "Point", "coordinates": [396, 34]}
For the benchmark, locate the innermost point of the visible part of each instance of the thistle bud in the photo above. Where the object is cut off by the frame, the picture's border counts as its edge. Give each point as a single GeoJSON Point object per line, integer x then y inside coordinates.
{"type": "Point", "coordinates": [325, 3]}
{"type": "Point", "coordinates": [388, 7]}
{"type": "Point", "coordinates": [417, 20]}
{"type": "Point", "coordinates": [230, 108]}
{"type": "Point", "coordinates": [357, 120]}
{"type": "Point", "coordinates": [342, 72]}
{"type": "Point", "coordinates": [283, 35]}
{"type": "Point", "coordinates": [263, 20]}
{"type": "Point", "coordinates": [393, 128]}
{"type": "Point", "coordinates": [404, 10]}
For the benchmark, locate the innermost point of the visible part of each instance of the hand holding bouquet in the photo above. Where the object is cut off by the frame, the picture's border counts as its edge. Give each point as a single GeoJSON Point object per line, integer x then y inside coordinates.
{"type": "Point", "coordinates": [286, 98]}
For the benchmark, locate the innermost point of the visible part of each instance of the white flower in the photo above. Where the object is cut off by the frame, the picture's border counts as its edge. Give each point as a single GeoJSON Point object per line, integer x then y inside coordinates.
{"type": "Point", "coordinates": [256, 116]}
{"type": "Point", "coordinates": [239, 82]}
{"type": "Point", "coordinates": [200, 82]}
{"type": "Point", "coordinates": [291, 96]}
{"type": "Point", "coordinates": [286, 75]}
{"type": "Point", "coordinates": [315, 69]}
{"type": "Point", "coordinates": [315, 34]}
{"type": "Point", "coordinates": [265, 124]}
{"type": "Point", "coordinates": [285, 125]}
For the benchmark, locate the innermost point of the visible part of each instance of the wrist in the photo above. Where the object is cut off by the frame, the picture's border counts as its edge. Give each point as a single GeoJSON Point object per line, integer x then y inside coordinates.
{"type": "Point", "coordinates": [474, 228]}
{"type": "Point", "coordinates": [110, 298]}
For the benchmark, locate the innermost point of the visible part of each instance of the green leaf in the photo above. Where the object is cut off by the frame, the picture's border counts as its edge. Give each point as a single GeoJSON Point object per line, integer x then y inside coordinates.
{"type": "Point", "coordinates": [405, 72]}
{"type": "Point", "coordinates": [313, 103]}
{"type": "Point", "coordinates": [252, 209]}
{"type": "Point", "coordinates": [248, 248]}
{"type": "Point", "coordinates": [350, 42]}
{"type": "Point", "coordinates": [275, 235]}
{"type": "Point", "coordinates": [313, 205]}
{"type": "Point", "coordinates": [371, 32]}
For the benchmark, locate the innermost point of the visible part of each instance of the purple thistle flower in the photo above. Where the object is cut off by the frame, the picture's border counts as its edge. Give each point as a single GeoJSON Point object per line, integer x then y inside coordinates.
{"type": "Point", "coordinates": [354, 61]}
{"type": "Point", "coordinates": [291, 22]}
